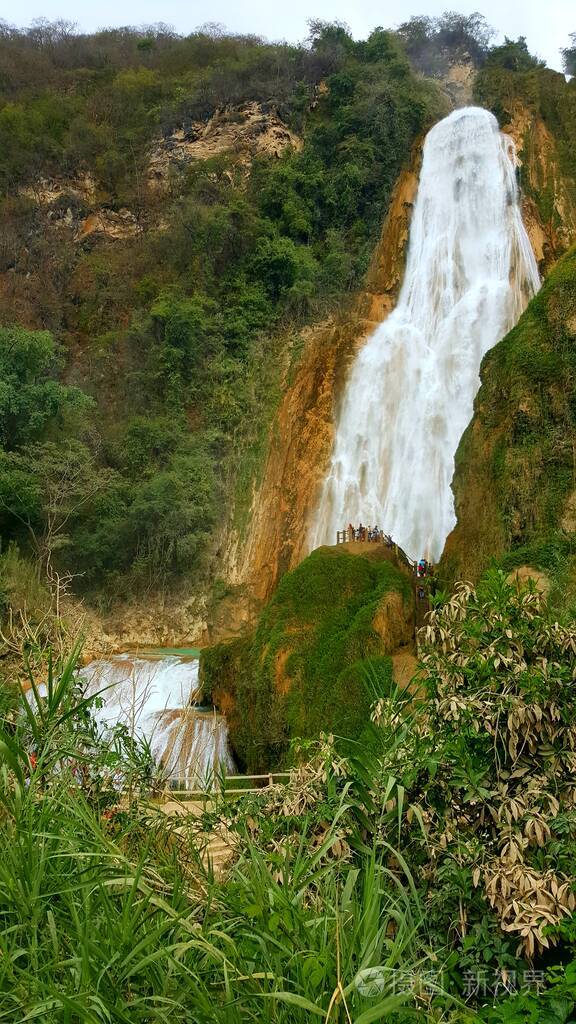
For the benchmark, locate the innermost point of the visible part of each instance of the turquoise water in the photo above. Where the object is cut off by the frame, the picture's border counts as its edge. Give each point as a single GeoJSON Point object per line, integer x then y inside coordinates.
{"type": "Point", "coordinates": [167, 652]}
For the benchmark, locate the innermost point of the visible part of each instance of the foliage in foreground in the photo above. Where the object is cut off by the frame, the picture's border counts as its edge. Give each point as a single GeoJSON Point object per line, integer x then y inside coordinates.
{"type": "Point", "coordinates": [370, 887]}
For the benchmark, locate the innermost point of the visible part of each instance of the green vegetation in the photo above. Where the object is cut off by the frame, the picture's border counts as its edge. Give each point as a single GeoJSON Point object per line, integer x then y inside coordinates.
{"type": "Point", "coordinates": [537, 361]}
{"type": "Point", "coordinates": [519, 448]}
{"type": "Point", "coordinates": [425, 873]}
{"type": "Point", "coordinates": [176, 331]}
{"type": "Point", "coordinates": [316, 660]}
{"type": "Point", "coordinates": [511, 79]}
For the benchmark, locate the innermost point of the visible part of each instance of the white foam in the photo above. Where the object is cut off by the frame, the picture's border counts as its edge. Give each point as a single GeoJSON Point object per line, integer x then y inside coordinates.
{"type": "Point", "coordinates": [154, 699]}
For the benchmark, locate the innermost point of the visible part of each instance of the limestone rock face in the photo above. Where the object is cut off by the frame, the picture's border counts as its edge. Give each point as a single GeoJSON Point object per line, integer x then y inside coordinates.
{"type": "Point", "coordinates": [246, 131]}
{"type": "Point", "coordinates": [391, 622]}
{"type": "Point", "coordinates": [110, 224]}
{"type": "Point", "coordinates": [75, 204]}
{"type": "Point", "coordinates": [514, 478]}
{"type": "Point", "coordinates": [175, 621]}
{"type": "Point", "coordinates": [458, 83]}
{"type": "Point", "coordinates": [551, 228]}
{"type": "Point", "coordinates": [46, 191]}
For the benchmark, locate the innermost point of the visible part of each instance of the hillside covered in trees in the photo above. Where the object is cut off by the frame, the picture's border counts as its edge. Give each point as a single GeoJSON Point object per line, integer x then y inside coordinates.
{"type": "Point", "coordinates": [174, 210]}
{"type": "Point", "coordinates": [145, 320]}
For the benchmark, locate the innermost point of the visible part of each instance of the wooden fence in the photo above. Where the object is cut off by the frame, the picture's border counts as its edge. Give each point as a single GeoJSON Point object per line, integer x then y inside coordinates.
{"type": "Point", "coordinates": [232, 785]}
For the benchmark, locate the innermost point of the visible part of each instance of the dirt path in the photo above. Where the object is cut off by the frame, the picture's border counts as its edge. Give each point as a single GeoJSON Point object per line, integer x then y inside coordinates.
{"type": "Point", "coordinates": [421, 604]}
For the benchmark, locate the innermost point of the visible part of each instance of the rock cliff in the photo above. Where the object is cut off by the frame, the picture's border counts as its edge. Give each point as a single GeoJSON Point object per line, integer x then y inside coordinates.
{"type": "Point", "coordinates": [319, 655]}
{"type": "Point", "coordinates": [514, 482]}
{"type": "Point", "coordinates": [514, 479]}
{"type": "Point", "coordinates": [302, 432]}
{"type": "Point", "coordinates": [548, 194]}
{"type": "Point", "coordinates": [246, 131]}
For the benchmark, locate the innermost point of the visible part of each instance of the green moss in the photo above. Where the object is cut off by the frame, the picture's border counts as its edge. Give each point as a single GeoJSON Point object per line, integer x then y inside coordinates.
{"type": "Point", "coordinates": [548, 555]}
{"type": "Point", "coordinates": [315, 662]}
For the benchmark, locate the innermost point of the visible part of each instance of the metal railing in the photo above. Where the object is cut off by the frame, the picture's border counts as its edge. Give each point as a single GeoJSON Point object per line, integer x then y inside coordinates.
{"type": "Point", "coordinates": [349, 536]}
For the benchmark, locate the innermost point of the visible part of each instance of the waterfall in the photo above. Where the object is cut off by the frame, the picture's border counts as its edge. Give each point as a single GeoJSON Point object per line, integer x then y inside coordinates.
{"type": "Point", "coordinates": [154, 698]}
{"type": "Point", "coordinates": [470, 273]}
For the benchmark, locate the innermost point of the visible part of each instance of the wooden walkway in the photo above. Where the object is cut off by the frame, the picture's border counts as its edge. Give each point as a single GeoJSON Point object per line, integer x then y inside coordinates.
{"type": "Point", "coordinates": [216, 850]}
{"type": "Point", "coordinates": [232, 786]}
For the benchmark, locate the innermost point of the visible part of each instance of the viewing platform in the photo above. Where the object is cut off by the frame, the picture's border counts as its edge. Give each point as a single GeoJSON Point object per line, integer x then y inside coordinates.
{"type": "Point", "coordinates": [385, 549]}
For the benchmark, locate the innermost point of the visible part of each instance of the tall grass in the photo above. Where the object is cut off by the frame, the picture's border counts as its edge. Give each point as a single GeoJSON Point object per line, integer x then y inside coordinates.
{"type": "Point", "coordinates": [112, 916]}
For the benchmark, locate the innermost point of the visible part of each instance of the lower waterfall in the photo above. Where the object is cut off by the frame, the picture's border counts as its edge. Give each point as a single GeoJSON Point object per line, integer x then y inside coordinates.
{"type": "Point", "coordinates": [154, 698]}
{"type": "Point", "coordinates": [470, 273]}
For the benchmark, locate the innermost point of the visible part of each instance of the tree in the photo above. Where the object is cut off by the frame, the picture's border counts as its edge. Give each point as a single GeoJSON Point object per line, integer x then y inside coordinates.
{"type": "Point", "coordinates": [31, 399]}
{"type": "Point", "coordinates": [173, 512]}
{"type": "Point", "coordinates": [513, 55]}
{"type": "Point", "coordinates": [280, 263]}
{"type": "Point", "coordinates": [45, 488]}
{"type": "Point", "coordinates": [569, 56]}
{"type": "Point", "coordinates": [331, 42]}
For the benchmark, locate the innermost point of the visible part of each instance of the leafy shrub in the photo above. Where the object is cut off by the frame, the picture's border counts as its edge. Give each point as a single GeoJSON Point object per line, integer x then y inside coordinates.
{"type": "Point", "coordinates": [32, 401]}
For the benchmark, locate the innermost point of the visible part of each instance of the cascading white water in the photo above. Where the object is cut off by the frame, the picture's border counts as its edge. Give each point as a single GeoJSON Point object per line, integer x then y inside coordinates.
{"type": "Point", "coordinates": [470, 273]}
{"type": "Point", "coordinates": [154, 698]}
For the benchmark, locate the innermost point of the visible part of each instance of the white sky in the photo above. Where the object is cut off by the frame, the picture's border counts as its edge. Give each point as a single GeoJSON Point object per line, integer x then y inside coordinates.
{"type": "Point", "coordinates": [545, 23]}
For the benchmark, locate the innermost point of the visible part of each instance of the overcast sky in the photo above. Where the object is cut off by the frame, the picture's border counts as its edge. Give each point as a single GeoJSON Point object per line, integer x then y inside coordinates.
{"type": "Point", "coordinates": [546, 23]}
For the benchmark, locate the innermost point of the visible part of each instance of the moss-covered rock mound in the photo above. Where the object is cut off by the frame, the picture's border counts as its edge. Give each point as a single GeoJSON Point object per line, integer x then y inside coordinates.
{"type": "Point", "coordinates": [318, 657]}
{"type": "Point", "coordinates": [515, 479]}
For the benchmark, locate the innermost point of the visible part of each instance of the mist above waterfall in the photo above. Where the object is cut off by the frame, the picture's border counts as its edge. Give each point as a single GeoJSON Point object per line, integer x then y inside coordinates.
{"type": "Point", "coordinates": [470, 273]}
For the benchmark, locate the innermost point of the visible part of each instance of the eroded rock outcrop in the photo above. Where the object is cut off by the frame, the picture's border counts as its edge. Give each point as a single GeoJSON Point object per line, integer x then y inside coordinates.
{"type": "Point", "coordinates": [244, 132]}
{"type": "Point", "coordinates": [458, 83]}
{"type": "Point", "coordinates": [514, 479]}
{"type": "Point", "coordinates": [47, 191]}
{"type": "Point", "coordinates": [74, 204]}
{"type": "Point", "coordinates": [548, 196]}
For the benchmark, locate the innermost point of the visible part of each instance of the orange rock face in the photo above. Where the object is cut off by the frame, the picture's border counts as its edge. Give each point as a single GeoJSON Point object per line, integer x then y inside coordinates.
{"type": "Point", "coordinates": [303, 432]}
{"type": "Point", "coordinates": [540, 173]}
